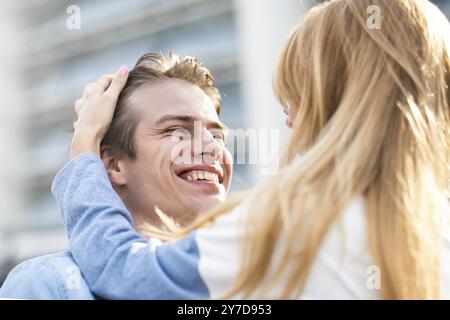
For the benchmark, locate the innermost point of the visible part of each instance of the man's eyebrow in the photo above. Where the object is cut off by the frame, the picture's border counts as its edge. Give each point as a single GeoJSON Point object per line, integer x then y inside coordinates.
{"type": "Point", "coordinates": [190, 119]}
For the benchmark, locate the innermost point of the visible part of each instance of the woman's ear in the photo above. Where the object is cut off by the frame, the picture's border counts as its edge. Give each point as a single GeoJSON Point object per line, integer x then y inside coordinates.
{"type": "Point", "coordinates": [114, 167]}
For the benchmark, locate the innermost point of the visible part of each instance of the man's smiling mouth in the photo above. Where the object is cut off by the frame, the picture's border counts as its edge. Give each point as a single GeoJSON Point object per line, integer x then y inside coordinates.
{"type": "Point", "coordinates": [195, 175]}
{"type": "Point", "coordinates": [201, 173]}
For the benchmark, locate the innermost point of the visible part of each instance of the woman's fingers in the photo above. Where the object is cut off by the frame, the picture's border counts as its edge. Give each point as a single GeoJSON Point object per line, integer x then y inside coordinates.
{"type": "Point", "coordinates": [117, 84]}
{"type": "Point", "coordinates": [95, 111]}
{"type": "Point", "coordinates": [98, 87]}
{"type": "Point", "coordinates": [78, 104]}
{"type": "Point", "coordinates": [89, 89]}
{"type": "Point", "coordinates": [103, 83]}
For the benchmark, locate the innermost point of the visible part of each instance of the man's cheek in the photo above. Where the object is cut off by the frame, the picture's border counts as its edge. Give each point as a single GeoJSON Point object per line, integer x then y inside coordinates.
{"type": "Point", "coordinates": [179, 153]}
{"type": "Point", "coordinates": [227, 161]}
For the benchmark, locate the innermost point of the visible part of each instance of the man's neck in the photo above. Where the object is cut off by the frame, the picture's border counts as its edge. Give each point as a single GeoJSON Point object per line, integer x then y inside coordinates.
{"type": "Point", "coordinates": [145, 222]}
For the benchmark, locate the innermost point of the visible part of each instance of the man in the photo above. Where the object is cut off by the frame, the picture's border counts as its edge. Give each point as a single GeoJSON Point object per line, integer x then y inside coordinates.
{"type": "Point", "coordinates": [164, 153]}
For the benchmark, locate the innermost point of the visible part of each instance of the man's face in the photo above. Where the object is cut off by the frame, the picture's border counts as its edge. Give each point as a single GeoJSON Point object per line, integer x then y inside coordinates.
{"type": "Point", "coordinates": [182, 165]}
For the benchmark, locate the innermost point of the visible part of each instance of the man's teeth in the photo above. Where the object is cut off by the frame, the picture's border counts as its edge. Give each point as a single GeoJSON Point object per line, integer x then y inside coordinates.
{"type": "Point", "coordinates": [202, 175]}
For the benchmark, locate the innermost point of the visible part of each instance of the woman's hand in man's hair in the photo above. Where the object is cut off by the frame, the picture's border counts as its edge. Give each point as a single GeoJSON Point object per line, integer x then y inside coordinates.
{"type": "Point", "coordinates": [95, 110]}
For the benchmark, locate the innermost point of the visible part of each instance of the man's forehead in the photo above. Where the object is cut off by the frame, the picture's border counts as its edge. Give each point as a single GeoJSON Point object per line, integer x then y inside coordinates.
{"type": "Point", "coordinates": [173, 97]}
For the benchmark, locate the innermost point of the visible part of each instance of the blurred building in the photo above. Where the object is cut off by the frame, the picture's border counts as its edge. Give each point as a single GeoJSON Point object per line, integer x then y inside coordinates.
{"type": "Point", "coordinates": [50, 60]}
{"type": "Point", "coordinates": [444, 5]}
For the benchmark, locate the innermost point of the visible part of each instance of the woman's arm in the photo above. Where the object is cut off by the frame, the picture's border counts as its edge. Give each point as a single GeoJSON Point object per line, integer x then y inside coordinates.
{"type": "Point", "coordinates": [116, 261]}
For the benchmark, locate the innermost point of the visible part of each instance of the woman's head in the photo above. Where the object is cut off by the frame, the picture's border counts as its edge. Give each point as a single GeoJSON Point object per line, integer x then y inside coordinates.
{"type": "Point", "coordinates": [370, 113]}
{"type": "Point", "coordinates": [335, 69]}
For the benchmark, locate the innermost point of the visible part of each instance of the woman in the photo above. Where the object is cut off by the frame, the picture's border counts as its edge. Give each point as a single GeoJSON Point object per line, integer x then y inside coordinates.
{"type": "Point", "coordinates": [369, 110]}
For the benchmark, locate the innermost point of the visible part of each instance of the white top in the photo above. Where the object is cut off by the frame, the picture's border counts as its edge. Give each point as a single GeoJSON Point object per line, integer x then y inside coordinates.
{"type": "Point", "coordinates": [343, 269]}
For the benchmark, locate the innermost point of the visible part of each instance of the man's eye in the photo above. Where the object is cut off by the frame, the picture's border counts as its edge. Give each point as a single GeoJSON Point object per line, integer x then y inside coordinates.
{"type": "Point", "coordinates": [179, 133]}
{"type": "Point", "coordinates": [218, 135]}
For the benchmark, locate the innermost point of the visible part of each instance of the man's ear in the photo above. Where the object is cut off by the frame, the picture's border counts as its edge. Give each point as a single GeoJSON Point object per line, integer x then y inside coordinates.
{"type": "Point", "coordinates": [114, 167]}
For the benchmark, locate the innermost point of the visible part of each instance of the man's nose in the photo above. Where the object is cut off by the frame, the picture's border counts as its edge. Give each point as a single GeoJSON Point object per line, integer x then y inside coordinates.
{"type": "Point", "coordinates": [206, 146]}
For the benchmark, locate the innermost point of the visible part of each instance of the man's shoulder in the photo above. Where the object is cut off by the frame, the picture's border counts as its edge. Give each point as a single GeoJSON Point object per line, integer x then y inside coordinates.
{"type": "Point", "coordinates": [50, 276]}
{"type": "Point", "coordinates": [51, 260]}
{"type": "Point", "coordinates": [52, 265]}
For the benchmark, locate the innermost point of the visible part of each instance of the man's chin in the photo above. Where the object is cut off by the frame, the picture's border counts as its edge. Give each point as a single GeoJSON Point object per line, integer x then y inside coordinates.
{"type": "Point", "coordinates": [193, 207]}
{"type": "Point", "coordinates": [201, 204]}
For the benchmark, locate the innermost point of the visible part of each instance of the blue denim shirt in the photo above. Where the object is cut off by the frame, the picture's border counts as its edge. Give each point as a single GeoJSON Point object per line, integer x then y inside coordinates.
{"type": "Point", "coordinates": [54, 276]}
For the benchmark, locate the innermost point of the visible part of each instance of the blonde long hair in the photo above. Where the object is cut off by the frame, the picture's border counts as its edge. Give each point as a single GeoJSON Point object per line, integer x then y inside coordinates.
{"type": "Point", "coordinates": [372, 119]}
